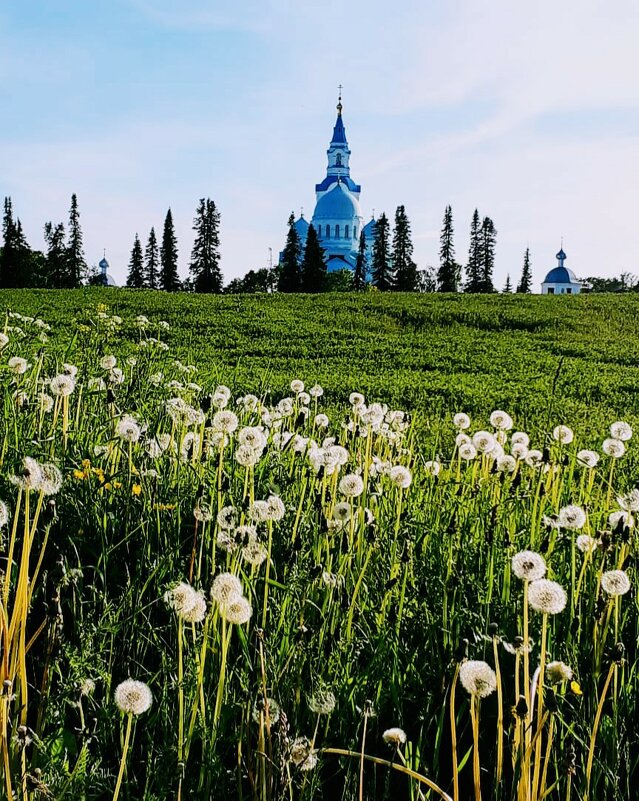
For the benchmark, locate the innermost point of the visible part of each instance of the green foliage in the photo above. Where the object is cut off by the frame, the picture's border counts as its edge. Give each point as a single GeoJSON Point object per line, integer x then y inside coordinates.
{"type": "Point", "coordinates": [289, 275]}
{"type": "Point", "coordinates": [169, 279]}
{"type": "Point", "coordinates": [473, 266]}
{"type": "Point", "coordinates": [360, 273]}
{"type": "Point", "coordinates": [76, 263]}
{"type": "Point", "coordinates": [525, 282]}
{"type": "Point", "coordinates": [449, 273]}
{"type": "Point", "coordinates": [313, 269]}
{"type": "Point", "coordinates": [372, 606]}
{"type": "Point", "coordinates": [205, 255]}
{"type": "Point", "coordinates": [382, 269]}
{"type": "Point", "coordinates": [403, 264]}
{"type": "Point", "coordinates": [151, 262]}
{"type": "Point", "coordinates": [135, 277]}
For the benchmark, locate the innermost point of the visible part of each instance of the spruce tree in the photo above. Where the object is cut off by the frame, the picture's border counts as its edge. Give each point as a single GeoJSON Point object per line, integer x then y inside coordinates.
{"type": "Point", "coordinates": [525, 283]}
{"type": "Point", "coordinates": [448, 275]}
{"type": "Point", "coordinates": [205, 255]}
{"type": "Point", "coordinates": [488, 240]}
{"type": "Point", "coordinates": [289, 278]}
{"type": "Point", "coordinates": [403, 264]}
{"type": "Point", "coordinates": [508, 287]}
{"type": "Point", "coordinates": [473, 274]}
{"type": "Point", "coordinates": [313, 264]}
{"type": "Point", "coordinates": [381, 269]}
{"type": "Point", "coordinates": [9, 256]}
{"type": "Point", "coordinates": [169, 279]}
{"type": "Point", "coordinates": [135, 278]}
{"type": "Point", "coordinates": [151, 262]}
{"type": "Point", "coordinates": [359, 276]}
{"type": "Point", "coordinates": [57, 256]}
{"type": "Point", "coordinates": [76, 263]}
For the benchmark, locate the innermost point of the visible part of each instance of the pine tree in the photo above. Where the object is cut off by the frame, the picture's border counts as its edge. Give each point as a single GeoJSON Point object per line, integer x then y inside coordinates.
{"type": "Point", "coordinates": [151, 262]}
{"type": "Point", "coordinates": [57, 256]}
{"type": "Point", "coordinates": [403, 264]}
{"type": "Point", "coordinates": [525, 283]}
{"type": "Point", "coordinates": [488, 240]}
{"type": "Point", "coordinates": [382, 269]}
{"type": "Point", "coordinates": [205, 256]}
{"type": "Point", "coordinates": [313, 264]}
{"type": "Point", "coordinates": [448, 275]}
{"type": "Point", "coordinates": [169, 279]}
{"type": "Point", "coordinates": [9, 276]}
{"type": "Point", "coordinates": [359, 276]}
{"type": "Point", "coordinates": [289, 280]}
{"type": "Point", "coordinates": [135, 278]}
{"type": "Point", "coordinates": [473, 275]}
{"type": "Point", "coordinates": [508, 287]}
{"type": "Point", "coordinates": [76, 263]}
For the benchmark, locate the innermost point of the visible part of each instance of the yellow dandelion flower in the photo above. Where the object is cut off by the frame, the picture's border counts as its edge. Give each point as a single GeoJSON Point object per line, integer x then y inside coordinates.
{"type": "Point", "coordinates": [136, 489]}
{"type": "Point", "coordinates": [79, 474]}
{"type": "Point", "coordinates": [117, 484]}
{"type": "Point", "coordinates": [574, 686]}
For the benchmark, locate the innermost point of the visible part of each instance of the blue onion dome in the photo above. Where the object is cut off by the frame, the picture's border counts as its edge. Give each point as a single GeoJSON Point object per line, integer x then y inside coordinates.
{"type": "Point", "coordinates": [301, 226]}
{"type": "Point", "coordinates": [337, 204]}
{"type": "Point", "coordinates": [561, 275]}
{"type": "Point", "coordinates": [104, 264]}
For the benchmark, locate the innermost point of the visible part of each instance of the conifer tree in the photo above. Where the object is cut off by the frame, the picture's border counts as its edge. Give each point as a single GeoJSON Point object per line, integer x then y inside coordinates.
{"type": "Point", "coordinates": [289, 279]}
{"type": "Point", "coordinates": [381, 269]}
{"type": "Point", "coordinates": [151, 262]}
{"type": "Point", "coordinates": [359, 276]}
{"type": "Point", "coordinates": [488, 240]}
{"type": "Point", "coordinates": [8, 256]}
{"type": "Point", "coordinates": [448, 275]}
{"type": "Point", "coordinates": [57, 265]}
{"type": "Point", "coordinates": [508, 287]}
{"type": "Point", "coordinates": [205, 255]}
{"type": "Point", "coordinates": [76, 263]}
{"type": "Point", "coordinates": [473, 274]}
{"type": "Point", "coordinates": [525, 283]}
{"type": "Point", "coordinates": [169, 279]}
{"type": "Point", "coordinates": [403, 264]}
{"type": "Point", "coordinates": [313, 264]}
{"type": "Point", "coordinates": [135, 278]}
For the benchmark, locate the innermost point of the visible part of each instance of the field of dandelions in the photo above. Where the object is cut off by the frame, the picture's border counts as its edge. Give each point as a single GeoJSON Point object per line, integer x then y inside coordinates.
{"type": "Point", "coordinates": [213, 590]}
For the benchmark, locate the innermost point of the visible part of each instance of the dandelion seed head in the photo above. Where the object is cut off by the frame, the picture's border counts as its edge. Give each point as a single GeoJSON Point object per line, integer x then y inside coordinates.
{"type": "Point", "coordinates": [128, 429]}
{"type": "Point", "coordinates": [534, 458]}
{"type": "Point", "coordinates": [226, 586]}
{"type": "Point", "coordinates": [614, 448]}
{"type": "Point", "coordinates": [501, 420]}
{"type": "Point", "coordinates": [133, 697]}
{"type": "Point", "coordinates": [181, 598]}
{"type": "Point", "coordinates": [108, 362]}
{"type": "Point", "coordinates": [528, 566]}
{"type": "Point", "coordinates": [621, 431]}
{"type": "Point", "coordinates": [51, 482]}
{"type": "Point", "coordinates": [621, 516]}
{"type": "Point", "coordinates": [477, 678]}
{"type": "Point", "coordinates": [588, 458]}
{"type": "Point", "coordinates": [254, 553]}
{"type": "Point", "coordinates": [62, 385]}
{"type": "Point", "coordinates": [30, 477]}
{"type": "Point", "coordinates": [4, 340]}
{"type": "Point", "coordinates": [556, 672]}
{"type": "Point", "coordinates": [316, 391]}
{"type": "Point", "coordinates": [546, 596]}
{"type": "Point", "coordinates": [356, 399]}
{"type": "Point", "coordinates": [506, 464]}
{"type": "Point", "coordinates": [394, 736]}
{"type": "Point", "coordinates": [484, 441]}
{"type": "Point", "coordinates": [260, 710]}
{"type": "Point", "coordinates": [18, 365]}
{"type": "Point", "coordinates": [615, 582]}
{"type": "Point", "coordinates": [247, 456]}
{"type": "Point", "coordinates": [259, 511]}
{"type": "Point", "coordinates": [351, 485]}
{"type": "Point", "coordinates": [467, 451]}
{"type": "Point", "coordinates": [586, 544]}
{"type": "Point", "coordinates": [402, 477]}
{"type": "Point", "coordinates": [225, 421]}
{"type": "Point", "coordinates": [253, 437]}
{"type": "Point", "coordinates": [563, 434]}
{"type": "Point", "coordinates": [321, 421]}
{"type": "Point", "coordinates": [4, 514]}
{"type": "Point", "coordinates": [297, 385]}
{"type": "Point", "coordinates": [197, 612]}
{"type": "Point", "coordinates": [461, 421]}
{"type": "Point", "coordinates": [301, 754]}
{"type": "Point", "coordinates": [573, 517]}
{"type": "Point", "coordinates": [342, 511]}
{"type": "Point", "coordinates": [237, 610]}
{"type": "Point", "coordinates": [519, 451]}
{"type": "Point", "coordinates": [276, 508]}
{"type": "Point", "coordinates": [520, 438]}
{"type": "Point", "coordinates": [630, 501]}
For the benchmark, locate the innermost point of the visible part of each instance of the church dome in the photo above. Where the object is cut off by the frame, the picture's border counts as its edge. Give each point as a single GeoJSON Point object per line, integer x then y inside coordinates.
{"type": "Point", "coordinates": [103, 264]}
{"type": "Point", "coordinates": [337, 204]}
{"type": "Point", "coordinates": [561, 275]}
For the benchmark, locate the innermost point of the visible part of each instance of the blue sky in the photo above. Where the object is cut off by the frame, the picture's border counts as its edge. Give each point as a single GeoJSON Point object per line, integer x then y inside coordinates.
{"type": "Point", "coordinates": [530, 114]}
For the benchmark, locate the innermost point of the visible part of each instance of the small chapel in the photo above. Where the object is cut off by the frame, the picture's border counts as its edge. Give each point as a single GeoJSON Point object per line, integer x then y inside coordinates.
{"type": "Point", "coordinates": [561, 280]}
{"type": "Point", "coordinates": [337, 217]}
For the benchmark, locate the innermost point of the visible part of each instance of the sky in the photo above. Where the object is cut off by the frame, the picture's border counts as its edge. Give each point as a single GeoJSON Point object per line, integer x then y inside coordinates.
{"type": "Point", "coordinates": [527, 111]}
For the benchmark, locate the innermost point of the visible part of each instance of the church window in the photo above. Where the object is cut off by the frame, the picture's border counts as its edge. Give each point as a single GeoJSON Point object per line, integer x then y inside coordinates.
{"type": "Point", "coordinates": [327, 233]}
{"type": "Point", "coordinates": [337, 232]}
{"type": "Point", "coordinates": [338, 160]}
{"type": "Point", "coordinates": [551, 290]}
{"type": "Point", "coordinates": [354, 232]}
{"type": "Point", "coordinates": [319, 230]}
{"type": "Point", "coordinates": [569, 292]}
{"type": "Point", "coordinates": [346, 232]}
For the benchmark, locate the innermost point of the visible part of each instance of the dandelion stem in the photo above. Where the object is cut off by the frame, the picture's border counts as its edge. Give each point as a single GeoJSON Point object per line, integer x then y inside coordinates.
{"type": "Point", "coordinates": [593, 737]}
{"type": "Point", "coordinates": [127, 738]}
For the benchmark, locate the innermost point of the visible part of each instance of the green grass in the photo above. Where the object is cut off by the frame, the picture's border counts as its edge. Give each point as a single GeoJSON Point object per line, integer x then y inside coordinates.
{"type": "Point", "coordinates": [374, 610]}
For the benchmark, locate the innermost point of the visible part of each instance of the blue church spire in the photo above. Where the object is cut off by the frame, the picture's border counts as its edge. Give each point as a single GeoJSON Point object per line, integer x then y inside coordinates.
{"type": "Point", "coordinates": [338, 156]}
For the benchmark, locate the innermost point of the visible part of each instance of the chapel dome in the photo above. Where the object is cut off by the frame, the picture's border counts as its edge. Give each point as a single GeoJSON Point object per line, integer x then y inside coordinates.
{"type": "Point", "coordinates": [337, 204]}
{"type": "Point", "coordinates": [561, 275]}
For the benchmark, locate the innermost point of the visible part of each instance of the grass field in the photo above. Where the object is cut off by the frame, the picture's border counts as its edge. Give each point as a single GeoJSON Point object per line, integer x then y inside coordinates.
{"type": "Point", "coordinates": [324, 596]}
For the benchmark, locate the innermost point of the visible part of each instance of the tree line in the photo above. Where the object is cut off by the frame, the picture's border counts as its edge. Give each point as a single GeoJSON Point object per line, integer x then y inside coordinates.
{"type": "Point", "coordinates": [63, 264]}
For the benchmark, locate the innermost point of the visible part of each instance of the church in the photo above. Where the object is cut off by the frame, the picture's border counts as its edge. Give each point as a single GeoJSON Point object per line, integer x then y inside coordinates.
{"type": "Point", "coordinates": [338, 217]}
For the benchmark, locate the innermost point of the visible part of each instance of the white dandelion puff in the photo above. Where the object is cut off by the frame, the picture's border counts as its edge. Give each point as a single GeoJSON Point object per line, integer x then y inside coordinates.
{"type": "Point", "coordinates": [547, 597]}
{"type": "Point", "coordinates": [62, 385]}
{"type": "Point", "coordinates": [614, 448]}
{"type": "Point", "coordinates": [461, 421]}
{"type": "Point", "coordinates": [556, 672]}
{"type": "Point", "coordinates": [615, 582]}
{"type": "Point", "coordinates": [563, 434]}
{"type": "Point", "coordinates": [133, 697]}
{"type": "Point", "coordinates": [225, 587]}
{"type": "Point", "coordinates": [394, 736]}
{"type": "Point", "coordinates": [477, 678]}
{"type": "Point", "coordinates": [351, 485]}
{"type": "Point", "coordinates": [501, 420]}
{"type": "Point", "coordinates": [573, 517]}
{"type": "Point", "coordinates": [528, 565]}
{"type": "Point", "coordinates": [588, 458]}
{"type": "Point", "coordinates": [621, 430]}
{"type": "Point", "coordinates": [586, 544]}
